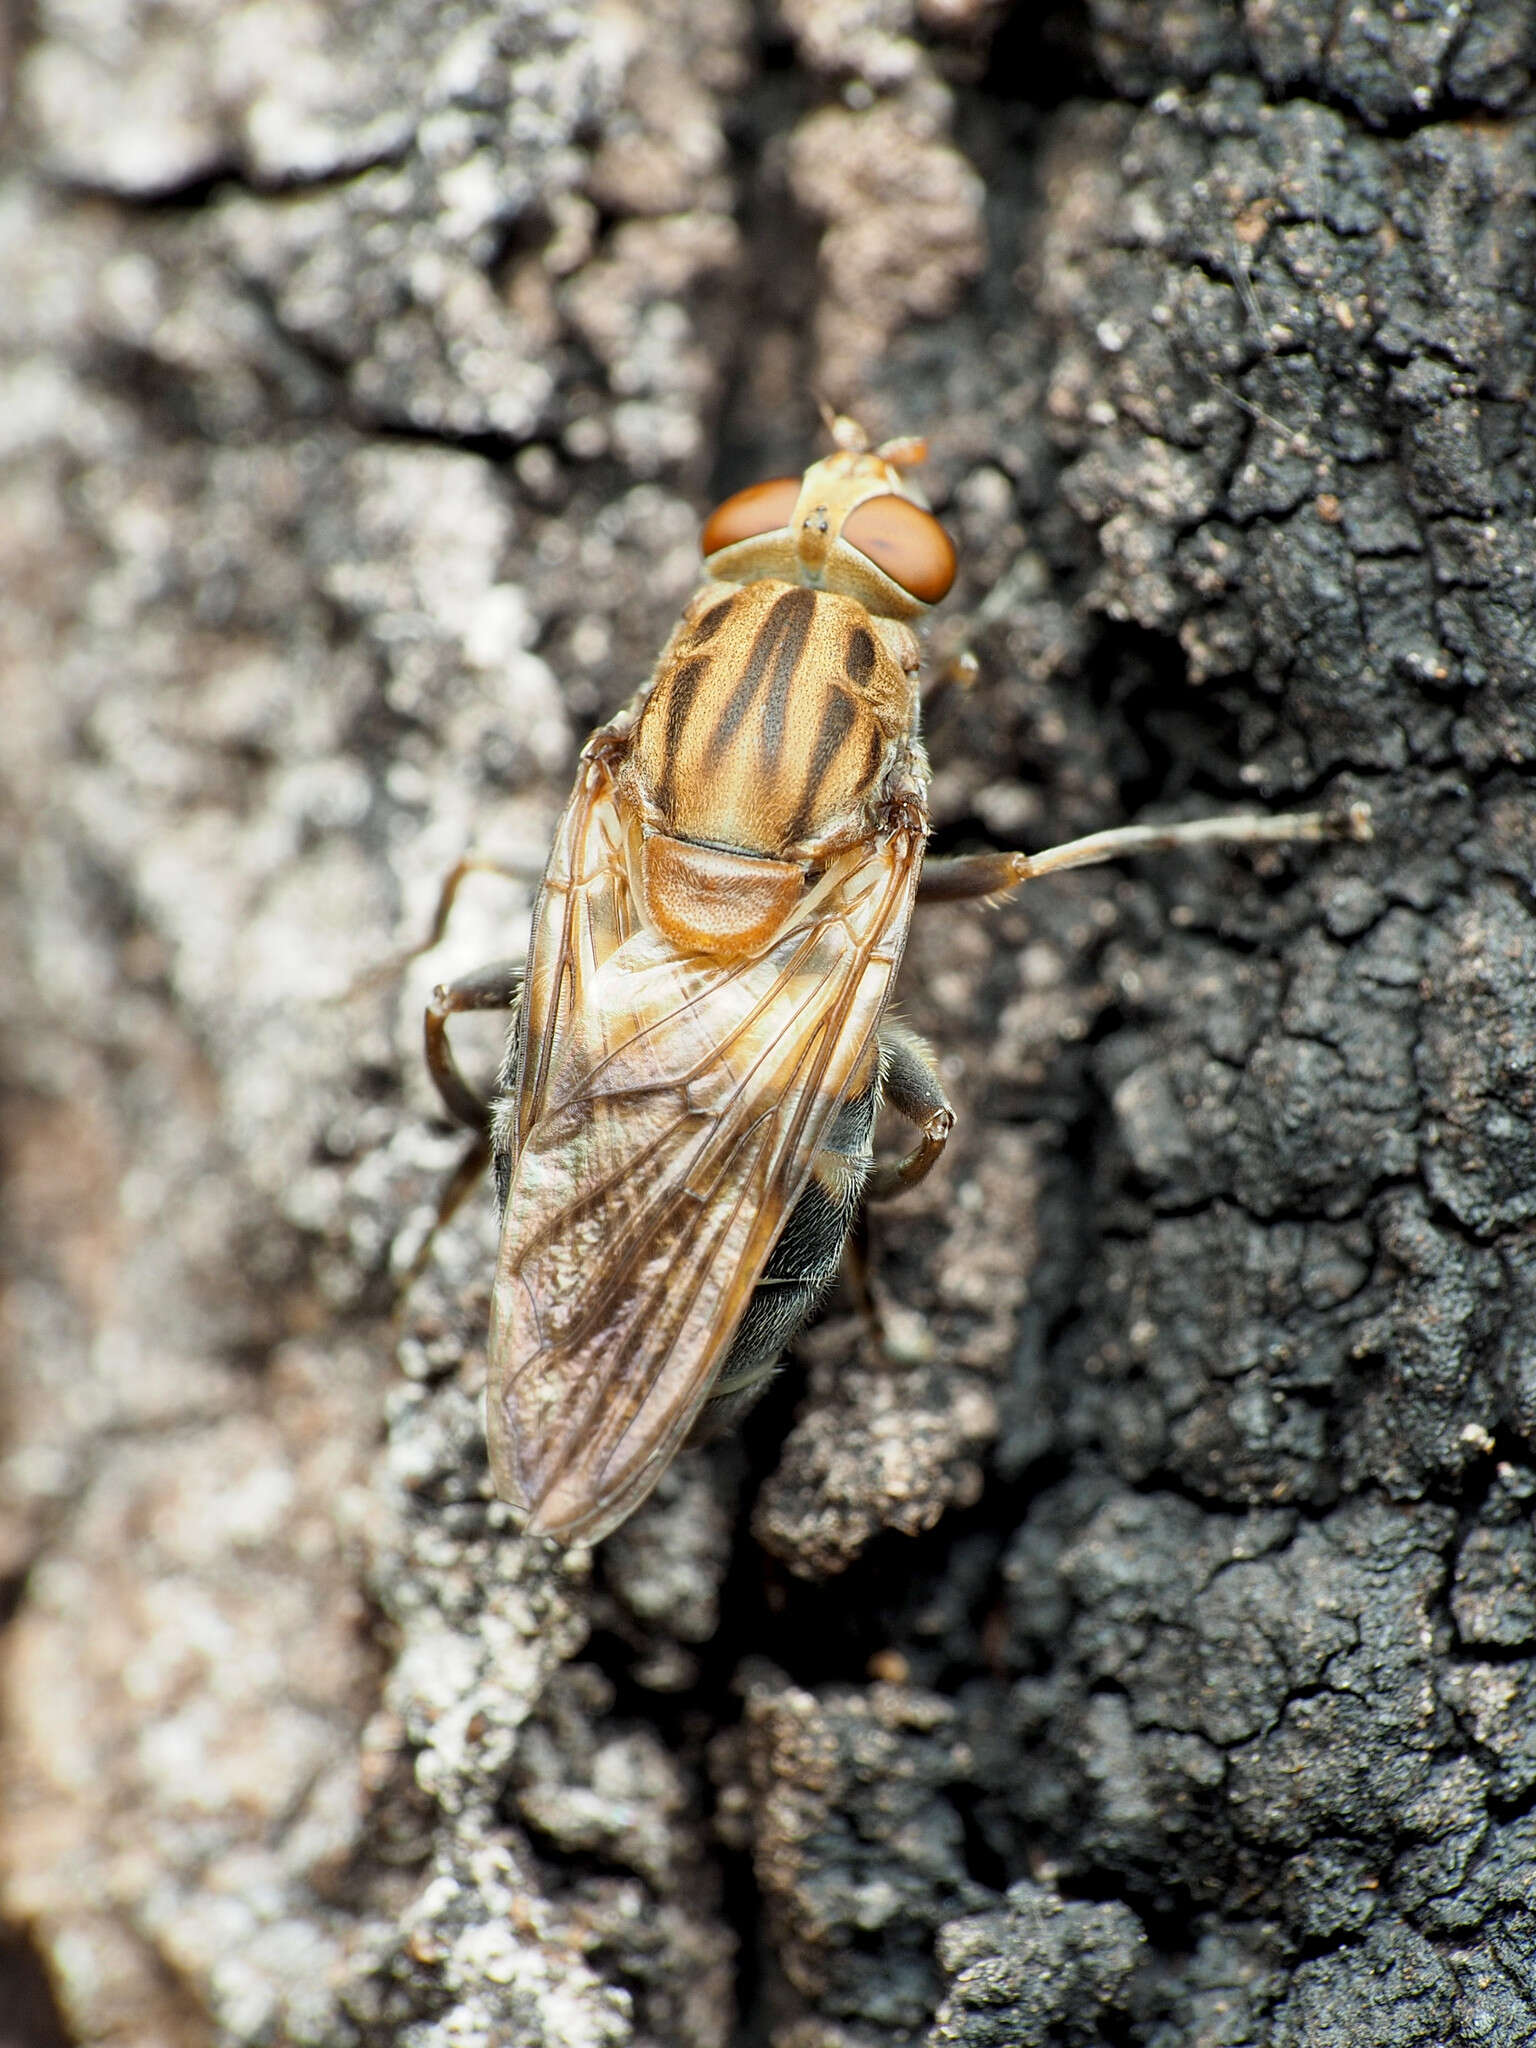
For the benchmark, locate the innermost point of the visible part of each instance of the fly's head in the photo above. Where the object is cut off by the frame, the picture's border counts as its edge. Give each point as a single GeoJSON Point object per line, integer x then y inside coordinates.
{"type": "Point", "coordinates": [852, 525]}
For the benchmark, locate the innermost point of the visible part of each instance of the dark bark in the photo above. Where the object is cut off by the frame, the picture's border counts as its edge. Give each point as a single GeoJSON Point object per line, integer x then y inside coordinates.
{"type": "Point", "coordinates": [1149, 1659]}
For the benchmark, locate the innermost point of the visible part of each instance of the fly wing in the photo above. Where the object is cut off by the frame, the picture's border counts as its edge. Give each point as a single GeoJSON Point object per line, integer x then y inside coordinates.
{"type": "Point", "coordinates": [674, 1110]}
{"type": "Point", "coordinates": [585, 912]}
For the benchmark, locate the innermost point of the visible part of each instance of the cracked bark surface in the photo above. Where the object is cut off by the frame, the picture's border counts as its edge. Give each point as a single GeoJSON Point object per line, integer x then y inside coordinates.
{"type": "Point", "coordinates": [1151, 1658]}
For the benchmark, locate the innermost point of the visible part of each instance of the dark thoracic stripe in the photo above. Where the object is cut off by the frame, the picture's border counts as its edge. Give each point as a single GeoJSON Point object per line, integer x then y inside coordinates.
{"type": "Point", "coordinates": [859, 656]}
{"type": "Point", "coordinates": [709, 625]}
{"type": "Point", "coordinates": [836, 723]}
{"type": "Point", "coordinates": [779, 644]}
{"type": "Point", "coordinates": [682, 688]}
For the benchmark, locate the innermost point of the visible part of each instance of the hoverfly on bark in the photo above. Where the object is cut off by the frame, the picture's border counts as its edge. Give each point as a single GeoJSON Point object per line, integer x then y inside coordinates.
{"type": "Point", "coordinates": [682, 1136]}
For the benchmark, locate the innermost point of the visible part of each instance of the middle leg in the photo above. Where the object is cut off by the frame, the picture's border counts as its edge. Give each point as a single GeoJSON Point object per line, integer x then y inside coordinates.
{"type": "Point", "coordinates": [911, 1086]}
{"type": "Point", "coordinates": [964, 877]}
{"type": "Point", "coordinates": [492, 988]}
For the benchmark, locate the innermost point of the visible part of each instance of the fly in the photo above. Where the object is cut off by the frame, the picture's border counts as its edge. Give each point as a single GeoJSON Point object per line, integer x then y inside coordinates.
{"type": "Point", "coordinates": [683, 1131]}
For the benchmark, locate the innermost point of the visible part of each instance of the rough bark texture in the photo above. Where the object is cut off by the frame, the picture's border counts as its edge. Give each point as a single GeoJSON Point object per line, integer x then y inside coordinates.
{"type": "Point", "coordinates": [1152, 1657]}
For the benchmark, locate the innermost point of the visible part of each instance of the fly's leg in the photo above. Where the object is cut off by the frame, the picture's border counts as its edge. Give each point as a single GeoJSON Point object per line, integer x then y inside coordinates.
{"type": "Point", "coordinates": [492, 988]}
{"type": "Point", "coordinates": [471, 864]}
{"type": "Point", "coordinates": [855, 1275]}
{"type": "Point", "coordinates": [965, 877]}
{"type": "Point", "coordinates": [913, 1089]}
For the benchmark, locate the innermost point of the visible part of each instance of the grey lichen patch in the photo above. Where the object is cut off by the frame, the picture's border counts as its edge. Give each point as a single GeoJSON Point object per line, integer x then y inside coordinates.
{"type": "Point", "coordinates": [270, 667]}
{"type": "Point", "coordinates": [856, 1843]}
{"type": "Point", "coordinates": [666, 1564]}
{"type": "Point", "coordinates": [568, 1895]}
{"type": "Point", "coordinates": [185, 1684]}
{"type": "Point", "coordinates": [457, 285]}
{"type": "Point", "coordinates": [883, 1449]}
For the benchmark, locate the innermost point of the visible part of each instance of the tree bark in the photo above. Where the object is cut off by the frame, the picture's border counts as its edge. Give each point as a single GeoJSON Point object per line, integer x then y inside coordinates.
{"type": "Point", "coordinates": [1147, 1656]}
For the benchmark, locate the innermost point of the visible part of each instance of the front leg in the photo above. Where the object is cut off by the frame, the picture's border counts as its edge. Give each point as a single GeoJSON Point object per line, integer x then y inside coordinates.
{"type": "Point", "coordinates": [470, 864]}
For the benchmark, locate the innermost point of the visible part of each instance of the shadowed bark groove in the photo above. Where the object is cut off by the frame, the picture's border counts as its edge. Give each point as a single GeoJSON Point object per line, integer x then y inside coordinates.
{"type": "Point", "coordinates": [1152, 1658]}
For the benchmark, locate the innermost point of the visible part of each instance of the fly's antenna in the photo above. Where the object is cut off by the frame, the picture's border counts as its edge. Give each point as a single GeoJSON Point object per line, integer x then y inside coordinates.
{"type": "Point", "coordinates": [846, 434]}
{"type": "Point", "coordinates": [905, 451]}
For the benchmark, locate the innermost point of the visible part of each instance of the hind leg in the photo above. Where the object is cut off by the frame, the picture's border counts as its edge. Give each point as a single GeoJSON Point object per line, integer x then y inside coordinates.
{"type": "Point", "coordinates": [911, 1085]}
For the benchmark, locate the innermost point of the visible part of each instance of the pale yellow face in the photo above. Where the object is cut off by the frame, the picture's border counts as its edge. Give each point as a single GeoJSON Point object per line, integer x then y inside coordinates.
{"type": "Point", "coordinates": [771, 723]}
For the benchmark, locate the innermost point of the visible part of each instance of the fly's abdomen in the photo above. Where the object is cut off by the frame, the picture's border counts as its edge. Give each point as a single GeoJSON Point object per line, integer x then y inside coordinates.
{"type": "Point", "coordinates": [803, 1265]}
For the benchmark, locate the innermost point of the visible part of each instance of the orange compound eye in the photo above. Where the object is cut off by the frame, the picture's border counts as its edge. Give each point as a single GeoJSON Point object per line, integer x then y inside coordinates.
{"type": "Point", "coordinates": [906, 542]}
{"type": "Point", "coordinates": [763, 508]}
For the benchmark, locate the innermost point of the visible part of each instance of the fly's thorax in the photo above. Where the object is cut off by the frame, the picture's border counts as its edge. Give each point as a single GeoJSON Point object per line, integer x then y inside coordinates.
{"type": "Point", "coordinates": [774, 718]}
